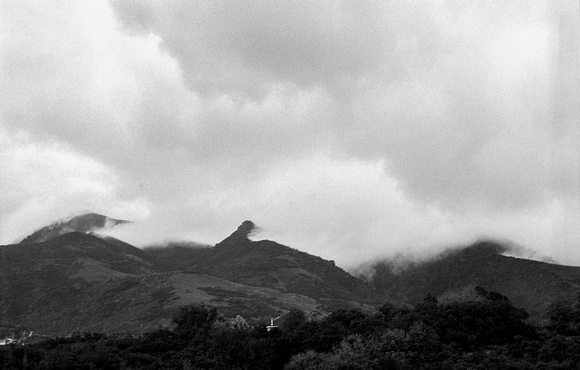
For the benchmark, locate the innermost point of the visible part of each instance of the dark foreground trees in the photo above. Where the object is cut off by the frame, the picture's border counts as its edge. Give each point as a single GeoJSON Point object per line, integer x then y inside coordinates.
{"type": "Point", "coordinates": [482, 333]}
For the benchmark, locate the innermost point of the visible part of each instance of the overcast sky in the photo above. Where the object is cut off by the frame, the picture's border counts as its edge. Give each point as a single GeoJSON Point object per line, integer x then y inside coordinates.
{"type": "Point", "coordinates": [350, 130]}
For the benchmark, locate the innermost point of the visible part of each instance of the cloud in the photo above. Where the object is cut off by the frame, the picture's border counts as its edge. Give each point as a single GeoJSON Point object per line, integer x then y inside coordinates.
{"type": "Point", "coordinates": [348, 129]}
{"type": "Point", "coordinates": [473, 86]}
{"type": "Point", "coordinates": [44, 182]}
{"type": "Point", "coordinates": [478, 126]}
{"type": "Point", "coordinates": [269, 41]}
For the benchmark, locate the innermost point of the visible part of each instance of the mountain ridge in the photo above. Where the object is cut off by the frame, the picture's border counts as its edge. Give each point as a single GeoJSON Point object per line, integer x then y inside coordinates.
{"type": "Point", "coordinates": [101, 283]}
{"type": "Point", "coordinates": [82, 280]}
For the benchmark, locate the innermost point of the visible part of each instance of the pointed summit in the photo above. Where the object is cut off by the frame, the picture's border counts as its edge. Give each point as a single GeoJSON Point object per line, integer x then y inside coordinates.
{"type": "Point", "coordinates": [240, 235]}
{"type": "Point", "coordinates": [246, 227]}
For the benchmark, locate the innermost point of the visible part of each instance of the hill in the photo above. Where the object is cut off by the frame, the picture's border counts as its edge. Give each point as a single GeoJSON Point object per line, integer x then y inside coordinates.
{"type": "Point", "coordinates": [532, 285]}
{"type": "Point", "coordinates": [85, 223]}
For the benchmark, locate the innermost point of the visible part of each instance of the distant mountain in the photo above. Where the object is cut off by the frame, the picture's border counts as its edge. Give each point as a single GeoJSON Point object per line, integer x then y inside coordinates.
{"type": "Point", "coordinates": [88, 222]}
{"type": "Point", "coordinates": [532, 285]}
{"type": "Point", "coordinates": [271, 265]}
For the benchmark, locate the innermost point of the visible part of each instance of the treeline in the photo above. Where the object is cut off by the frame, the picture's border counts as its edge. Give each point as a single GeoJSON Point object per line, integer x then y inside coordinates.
{"type": "Point", "coordinates": [485, 332]}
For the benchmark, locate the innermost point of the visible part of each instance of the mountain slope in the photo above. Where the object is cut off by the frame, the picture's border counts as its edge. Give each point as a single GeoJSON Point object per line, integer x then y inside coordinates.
{"type": "Point", "coordinates": [532, 285]}
{"type": "Point", "coordinates": [55, 281]}
{"type": "Point", "coordinates": [84, 223]}
{"type": "Point", "coordinates": [272, 265]}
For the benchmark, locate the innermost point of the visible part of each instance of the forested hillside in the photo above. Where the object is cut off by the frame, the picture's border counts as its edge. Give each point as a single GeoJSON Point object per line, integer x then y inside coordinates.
{"type": "Point", "coordinates": [484, 333]}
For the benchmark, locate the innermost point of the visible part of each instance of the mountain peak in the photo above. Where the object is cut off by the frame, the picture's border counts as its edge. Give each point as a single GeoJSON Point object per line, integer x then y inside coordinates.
{"type": "Point", "coordinates": [84, 223]}
{"type": "Point", "coordinates": [241, 234]}
{"type": "Point", "coordinates": [484, 248]}
{"type": "Point", "coordinates": [246, 227]}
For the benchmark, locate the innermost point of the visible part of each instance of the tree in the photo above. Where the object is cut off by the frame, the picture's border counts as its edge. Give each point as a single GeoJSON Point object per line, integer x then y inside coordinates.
{"type": "Point", "coordinates": [293, 319]}
{"type": "Point", "coordinates": [194, 319]}
{"type": "Point", "coordinates": [564, 318]}
{"type": "Point", "coordinates": [471, 324]}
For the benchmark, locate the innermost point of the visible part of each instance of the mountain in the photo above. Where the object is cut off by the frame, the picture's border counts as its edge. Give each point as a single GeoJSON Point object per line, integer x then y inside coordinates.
{"type": "Point", "coordinates": [85, 223]}
{"type": "Point", "coordinates": [532, 285]}
{"type": "Point", "coordinates": [271, 265]}
{"type": "Point", "coordinates": [79, 281]}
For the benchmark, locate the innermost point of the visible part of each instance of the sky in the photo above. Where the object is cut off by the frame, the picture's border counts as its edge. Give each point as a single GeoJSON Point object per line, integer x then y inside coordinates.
{"type": "Point", "coordinates": [351, 130]}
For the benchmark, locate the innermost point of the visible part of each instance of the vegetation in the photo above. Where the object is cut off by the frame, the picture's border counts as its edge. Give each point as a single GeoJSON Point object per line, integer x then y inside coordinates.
{"type": "Point", "coordinates": [483, 333]}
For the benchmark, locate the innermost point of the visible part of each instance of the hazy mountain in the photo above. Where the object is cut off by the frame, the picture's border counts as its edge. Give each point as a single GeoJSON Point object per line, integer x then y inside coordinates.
{"type": "Point", "coordinates": [532, 285]}
{"type": "Point", "coordinates": [88, 222]}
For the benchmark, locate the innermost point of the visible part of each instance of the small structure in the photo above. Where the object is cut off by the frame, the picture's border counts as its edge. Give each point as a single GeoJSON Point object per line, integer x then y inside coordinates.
{"type": "Point", "coordinates": [6, 341]}
{"type": "Point", "coordinates": [272, 326]}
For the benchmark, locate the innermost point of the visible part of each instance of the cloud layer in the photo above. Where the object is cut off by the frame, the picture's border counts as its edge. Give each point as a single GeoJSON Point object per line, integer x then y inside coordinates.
{"type": "Point", "coordinates": [350, 130]}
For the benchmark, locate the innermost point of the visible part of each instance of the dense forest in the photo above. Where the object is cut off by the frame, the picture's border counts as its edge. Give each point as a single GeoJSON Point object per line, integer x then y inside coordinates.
{"type": "Point", "coordinates": [483, 331]}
